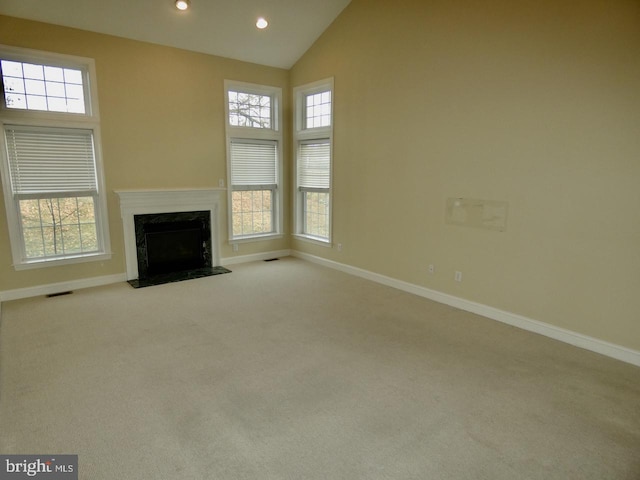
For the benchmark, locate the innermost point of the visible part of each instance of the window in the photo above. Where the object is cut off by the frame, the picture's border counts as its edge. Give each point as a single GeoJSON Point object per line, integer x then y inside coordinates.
{"type": "Point", "coordinates": [318, 109]}
{"type": "Point", "coordinates": [52, 180]}
{"type": "Point", "coordinates": [249, 110]}
{"type": "Point", "coordinates": [313, 138]}
{"type": "Point", "coordinates": [254, 163]}
{"type": "Point", "coordinates": [313, 184]}
{"type": "Point", "coordinates": [254, 179]}
{"type": "Point", "coordinates": [29, 86]}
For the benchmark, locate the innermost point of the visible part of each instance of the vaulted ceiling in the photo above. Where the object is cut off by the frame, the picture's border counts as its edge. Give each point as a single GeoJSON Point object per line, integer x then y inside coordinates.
{"type": "Point", "coordinates": [218, 27]}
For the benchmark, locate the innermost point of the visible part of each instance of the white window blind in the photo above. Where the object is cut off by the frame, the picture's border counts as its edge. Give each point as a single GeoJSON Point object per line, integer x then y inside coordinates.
{"type": "Point", "coordinates": [54, 161]}
{"type": "Point", "coordinates": [314, 165]}
{"type": "Point", "coordinates": [254, 163]}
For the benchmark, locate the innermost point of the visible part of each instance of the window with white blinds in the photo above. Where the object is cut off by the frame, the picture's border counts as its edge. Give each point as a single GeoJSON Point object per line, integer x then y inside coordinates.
{"type": "Point", "coordinates": [254, 173]}
{"type": "Point", "coordinates": [254, 160]}
{"type": "Point", "coordinates": [314, 165]}
{"type": "Point", "coordinates": [314, 136]}
{"type": "Point", "coordinates": [253, 164]}
{"type": "Point", "coordinates": [54, 161]}
{"type": "Point", "coordinates": [51, 169]}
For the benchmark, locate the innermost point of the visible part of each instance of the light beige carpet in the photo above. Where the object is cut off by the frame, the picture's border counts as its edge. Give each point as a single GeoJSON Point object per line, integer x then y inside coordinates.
{"type": "Point", "coordinates": [288, 370]}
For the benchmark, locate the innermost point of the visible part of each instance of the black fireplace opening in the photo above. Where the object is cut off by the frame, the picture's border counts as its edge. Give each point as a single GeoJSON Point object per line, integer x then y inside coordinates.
{"type": "Point", "coordinates": [172, 247]}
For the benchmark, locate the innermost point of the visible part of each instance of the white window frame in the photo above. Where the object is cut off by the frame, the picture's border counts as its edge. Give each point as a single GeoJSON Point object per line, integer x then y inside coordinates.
{"type": "Point", "coordinates": [90, 120]}
{"type": "Point", "coordinates": [306, 135]}
{"type": "Point", "coordinates": [244, 133]}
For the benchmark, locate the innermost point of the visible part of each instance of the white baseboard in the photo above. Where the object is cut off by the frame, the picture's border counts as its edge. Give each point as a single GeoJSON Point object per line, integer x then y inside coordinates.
{"type": "Point", "coordinates": [255, 257]}
{"type": "Point", "coordinates": [567, 336]}
{"type": "Point", "coordinates": [51, 288]}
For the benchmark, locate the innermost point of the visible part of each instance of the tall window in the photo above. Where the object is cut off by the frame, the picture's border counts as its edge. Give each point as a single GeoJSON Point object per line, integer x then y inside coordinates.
{"type": "Point", "coordinates": [254, 139]}
{"type": "Point", "coordinates": [51, 170]}
{"type": "Point", "coordinates": [313, 139]}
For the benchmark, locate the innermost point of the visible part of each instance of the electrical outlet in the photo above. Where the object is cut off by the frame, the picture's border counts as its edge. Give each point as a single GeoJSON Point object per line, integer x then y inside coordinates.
{"type": "Point", "coordinates": [339, 247]}
{"type": "Point", "coordinates": [432, 268]}
{"type": "Point", "coordinates": [221, 182]}
{"type": "Point", "coordinates": [235, 247]}
{"type": "Point", "coordinates": [458, 276]}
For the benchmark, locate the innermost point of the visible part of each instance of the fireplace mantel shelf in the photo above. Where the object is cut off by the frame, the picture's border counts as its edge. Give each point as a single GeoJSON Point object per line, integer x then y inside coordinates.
{"type": "Point", "coordinates": [144, 191]}
{"type": "Point", "coordinates": [166, 198]}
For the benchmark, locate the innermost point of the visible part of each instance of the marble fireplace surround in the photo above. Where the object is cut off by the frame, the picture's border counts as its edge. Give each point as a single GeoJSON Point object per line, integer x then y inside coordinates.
{"type": "Point", "coordinates": [139, 202]}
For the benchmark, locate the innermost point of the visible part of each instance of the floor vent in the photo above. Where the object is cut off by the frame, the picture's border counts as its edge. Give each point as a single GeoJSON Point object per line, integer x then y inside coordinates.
{"type": "Point", "coordinates": [51, 295]}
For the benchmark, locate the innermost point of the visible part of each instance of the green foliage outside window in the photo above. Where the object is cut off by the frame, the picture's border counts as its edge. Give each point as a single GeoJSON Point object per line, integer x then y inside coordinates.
{"type": "Point", "coordinates": [58, 226]}
{"type": "Point", "coordinates": [252, 212]}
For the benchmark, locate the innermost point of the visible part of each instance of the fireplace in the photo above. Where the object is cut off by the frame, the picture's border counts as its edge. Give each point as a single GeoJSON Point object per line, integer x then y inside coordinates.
{"type": "Point", "coordinates": [172, 242]}
{"type": "Point", "coordinates": [170, 235]}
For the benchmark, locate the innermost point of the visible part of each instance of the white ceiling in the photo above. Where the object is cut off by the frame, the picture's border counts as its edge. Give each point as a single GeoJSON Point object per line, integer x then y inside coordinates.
{"type": "Point", "coordinates": [218, 27]}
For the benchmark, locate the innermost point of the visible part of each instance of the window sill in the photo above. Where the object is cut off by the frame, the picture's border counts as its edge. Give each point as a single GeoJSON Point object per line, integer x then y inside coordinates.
{"type": "Point", "coordinates": [314, 240]}
{"type": "Point", "coordinates": [256, 238]}
{"type": "Point", "coordinates": [57, 262]}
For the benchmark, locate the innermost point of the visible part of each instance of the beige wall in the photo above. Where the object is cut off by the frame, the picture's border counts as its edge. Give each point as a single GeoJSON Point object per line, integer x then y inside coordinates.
{"type": "Point", "coordinates": [532, 103]}
{"type": "Point", "coordinates": [162, 116]}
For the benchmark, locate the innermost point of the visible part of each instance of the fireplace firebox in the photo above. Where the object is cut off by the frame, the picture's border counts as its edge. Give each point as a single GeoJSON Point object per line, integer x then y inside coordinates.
{"type": "Point", "coordinates": [175, 246]}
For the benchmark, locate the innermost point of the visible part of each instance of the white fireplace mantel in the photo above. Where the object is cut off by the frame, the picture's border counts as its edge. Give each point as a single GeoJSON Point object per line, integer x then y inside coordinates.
{"type": "Point", "coordinates": [140, 202]}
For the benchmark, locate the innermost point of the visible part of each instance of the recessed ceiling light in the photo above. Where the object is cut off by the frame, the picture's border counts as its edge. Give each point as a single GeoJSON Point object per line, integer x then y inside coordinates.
{"type": "Point", "coordinates": [182, 4]}
{"type": "Point", "coordinates": [262, 23]}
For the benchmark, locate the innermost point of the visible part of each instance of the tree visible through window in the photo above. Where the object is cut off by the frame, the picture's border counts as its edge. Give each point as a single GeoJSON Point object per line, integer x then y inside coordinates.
{"type": "Point", "coordinates": [249, 110]}
{"type": "Point", "coordinates": [252, 212]}
{"type": "Point", "coordinates": [58, 226]}
{"type": "Point", "coordinates": [316, 214]}
{"type": "Point", "coordinates": [53, 179]}
{"type": "Point", "coordinates": [314, 182]}
{"type": "Point", "coordinates": [56, 211]}
{"type": "Point", "coordinates": [254, 160]}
